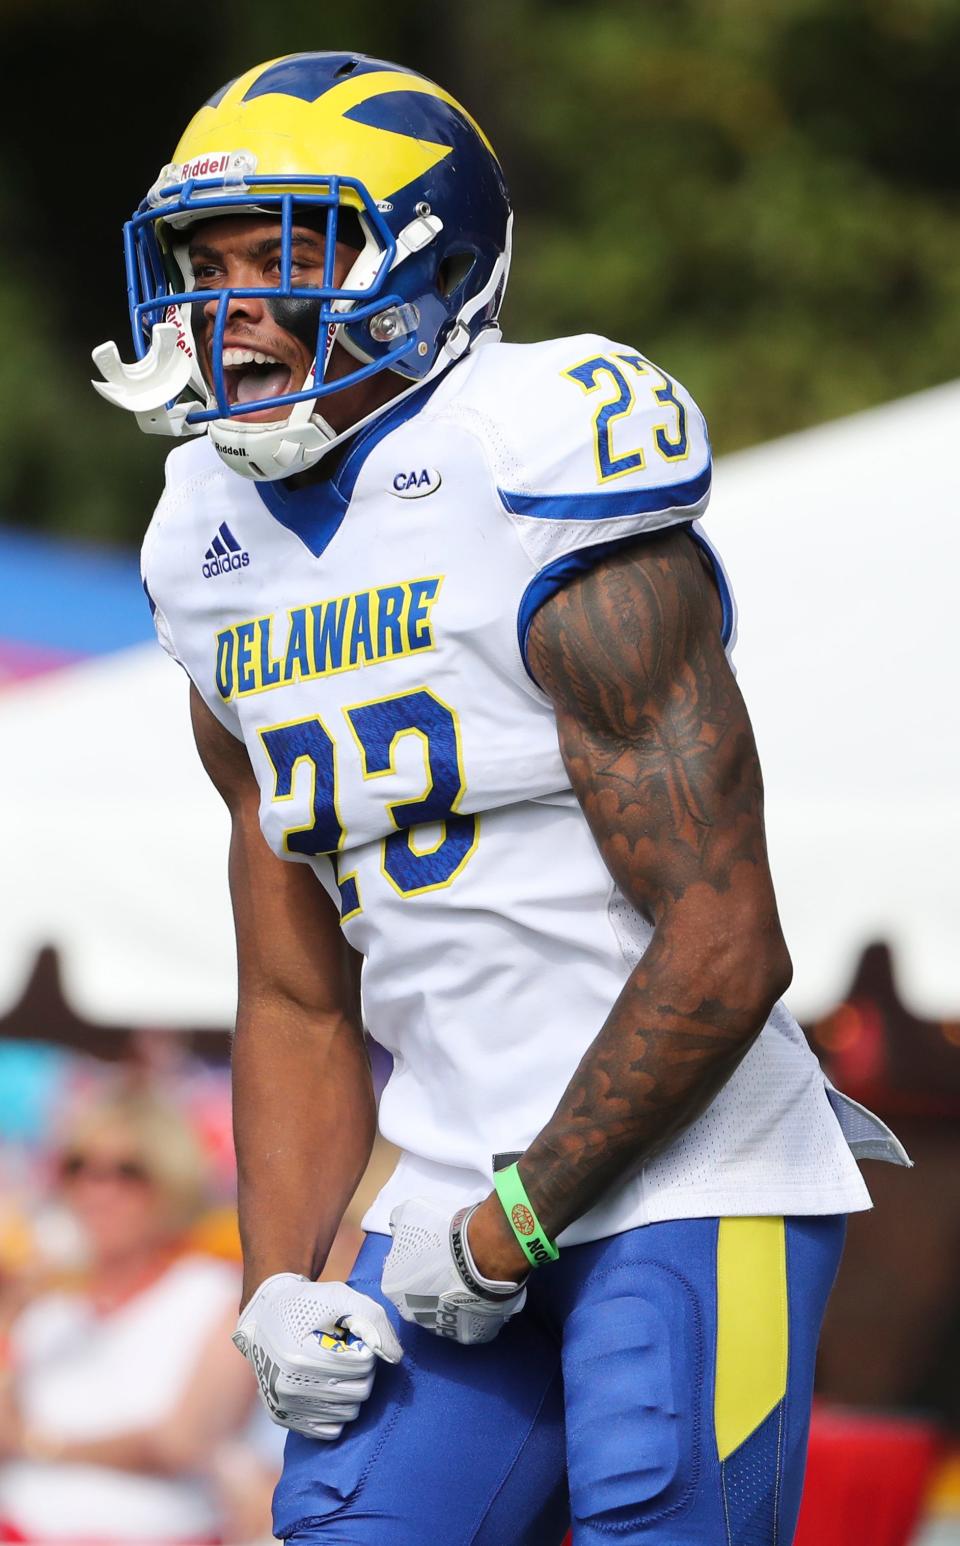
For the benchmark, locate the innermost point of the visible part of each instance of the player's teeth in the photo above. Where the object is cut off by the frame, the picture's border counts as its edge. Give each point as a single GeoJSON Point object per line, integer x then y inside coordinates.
{"type": "Point", "coordinates": [235, 357]}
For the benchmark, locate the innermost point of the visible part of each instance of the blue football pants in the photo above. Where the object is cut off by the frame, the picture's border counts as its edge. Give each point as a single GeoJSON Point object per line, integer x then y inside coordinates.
{"type": "Point", "coordinates": [655, 1389]}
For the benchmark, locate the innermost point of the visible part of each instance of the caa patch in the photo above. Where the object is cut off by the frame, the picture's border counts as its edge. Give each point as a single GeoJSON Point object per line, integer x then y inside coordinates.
{"type": "Point", "coordinates": [416, 483]}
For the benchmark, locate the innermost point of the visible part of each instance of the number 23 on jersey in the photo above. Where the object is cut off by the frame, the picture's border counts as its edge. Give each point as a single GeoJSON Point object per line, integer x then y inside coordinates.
{"type": "Point", "coordinates": [669, 438]}
{"type": "Point", "coordinates": [376, 728]}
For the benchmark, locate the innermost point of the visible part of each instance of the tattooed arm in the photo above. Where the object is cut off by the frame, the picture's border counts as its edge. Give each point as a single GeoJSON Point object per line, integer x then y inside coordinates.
{"type": "Point", "coordinates": [661, 756]}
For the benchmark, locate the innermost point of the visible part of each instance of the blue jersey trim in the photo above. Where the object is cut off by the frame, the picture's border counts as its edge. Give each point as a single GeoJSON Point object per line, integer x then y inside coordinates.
{"type": "Point", "coordinates": [314, 512]}
{"type": "Point", "coordinates": [603, 506]}
{"type": "Point", "coordinates": [566, 568]}
{"type": "Point", "coordinates": [720, 580]}
{"type": "Point", "coordinates": [553, 578]}
{"type": "Point", "coordinates": [150, 601]}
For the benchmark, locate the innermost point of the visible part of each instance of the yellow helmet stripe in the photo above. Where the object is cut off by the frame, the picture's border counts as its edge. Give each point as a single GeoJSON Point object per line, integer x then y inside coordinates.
{"type": "Point", "coordinates": [396, 80]}
{"type": "Point", "coordinates": [289, 135]}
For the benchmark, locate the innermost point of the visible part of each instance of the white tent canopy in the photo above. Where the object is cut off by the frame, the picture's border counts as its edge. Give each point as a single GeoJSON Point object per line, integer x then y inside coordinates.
{"type": "Point", "coordinates": [843, 544]}
{"type": "Point", "coordinates": [115, 845]}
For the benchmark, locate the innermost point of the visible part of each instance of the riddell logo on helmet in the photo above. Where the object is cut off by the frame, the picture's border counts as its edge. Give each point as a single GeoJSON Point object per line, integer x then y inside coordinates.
{"type": "Point", "coordinates": [172, 314]}
{"type": "Point", "coordinates": [211, 165]}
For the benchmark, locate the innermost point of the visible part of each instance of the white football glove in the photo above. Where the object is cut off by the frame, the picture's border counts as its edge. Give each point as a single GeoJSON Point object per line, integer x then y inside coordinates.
{"type": "Point", "coordinates": [431, 1277]}
{"type": "Point", "coordinates": [313, 1347]}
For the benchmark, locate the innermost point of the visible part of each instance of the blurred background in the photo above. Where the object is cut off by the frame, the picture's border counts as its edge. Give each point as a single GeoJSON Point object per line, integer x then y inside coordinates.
{"type": "Point", "coordinates": [764, 197]}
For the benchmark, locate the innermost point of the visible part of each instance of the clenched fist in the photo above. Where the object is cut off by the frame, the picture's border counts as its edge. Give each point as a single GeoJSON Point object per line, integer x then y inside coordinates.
{"type": "Point", "coordinates": [313, 1347]}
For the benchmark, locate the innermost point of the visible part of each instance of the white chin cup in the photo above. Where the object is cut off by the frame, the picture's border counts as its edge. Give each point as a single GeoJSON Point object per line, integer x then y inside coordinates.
{"type": "Point", "coordinates": [266, 452]}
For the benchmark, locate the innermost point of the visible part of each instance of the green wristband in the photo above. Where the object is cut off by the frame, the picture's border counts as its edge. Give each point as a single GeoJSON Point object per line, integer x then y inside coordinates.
{"type": "Point", "coordinates": [530, 1233]}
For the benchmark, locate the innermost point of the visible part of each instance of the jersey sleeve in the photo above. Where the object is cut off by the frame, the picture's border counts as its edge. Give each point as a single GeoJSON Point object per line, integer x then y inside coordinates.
{"type": "Point", "coordinates": [152, 566]}
{"type": "Point", "coordinates": [597, 447]}
{"type": "Point", "coordinates": [149, 583]}
{"type": "Point", "coordinates": [168, 575]}
{"type": "Point", "coordinates": [160, 624]}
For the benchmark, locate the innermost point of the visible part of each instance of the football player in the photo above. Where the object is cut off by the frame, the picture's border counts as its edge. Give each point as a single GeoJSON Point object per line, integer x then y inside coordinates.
{"type": "Point", "coordinates": [459, 657]}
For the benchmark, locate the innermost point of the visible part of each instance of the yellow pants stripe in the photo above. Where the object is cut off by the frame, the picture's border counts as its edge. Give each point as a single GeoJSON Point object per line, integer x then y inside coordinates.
{"type": "Point", "coordinates": [751, 1327]}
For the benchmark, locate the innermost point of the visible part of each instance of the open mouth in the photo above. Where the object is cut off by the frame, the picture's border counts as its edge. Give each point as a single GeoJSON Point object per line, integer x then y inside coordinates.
{"type": "Point", "coordinates": [252, 376]}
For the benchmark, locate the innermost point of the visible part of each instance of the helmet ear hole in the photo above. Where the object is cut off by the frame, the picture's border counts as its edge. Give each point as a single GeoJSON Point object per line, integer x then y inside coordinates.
{"type": "Point", "coordinates": [453, 270]}
{"type": "Point", "coordinates": [350, 228]}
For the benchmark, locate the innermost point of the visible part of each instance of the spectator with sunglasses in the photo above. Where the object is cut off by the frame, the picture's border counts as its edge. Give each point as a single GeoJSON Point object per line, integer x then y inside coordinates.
{"type": "Point", "coordinates": [125, 1393]}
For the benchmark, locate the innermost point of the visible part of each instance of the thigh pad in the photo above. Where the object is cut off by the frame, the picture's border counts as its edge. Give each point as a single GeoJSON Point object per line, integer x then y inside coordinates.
{"type": "Point", "coordinates": [633, 1375]}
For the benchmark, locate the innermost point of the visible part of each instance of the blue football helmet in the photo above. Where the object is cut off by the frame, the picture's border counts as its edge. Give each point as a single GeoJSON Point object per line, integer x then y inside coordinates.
{"type": "Point", "coordinates": [376, 153]}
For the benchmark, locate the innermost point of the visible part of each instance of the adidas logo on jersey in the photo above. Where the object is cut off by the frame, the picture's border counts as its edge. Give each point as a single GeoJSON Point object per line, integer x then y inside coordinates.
{"type": "Point", "coordinates": [224, 554]}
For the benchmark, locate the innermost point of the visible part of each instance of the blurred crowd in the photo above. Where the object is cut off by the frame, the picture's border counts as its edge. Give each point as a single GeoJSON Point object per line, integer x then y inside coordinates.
{"type": "Point", "coordinates": [125, 1412]}
{"type": "Point", "coordinates": [126, 1415]}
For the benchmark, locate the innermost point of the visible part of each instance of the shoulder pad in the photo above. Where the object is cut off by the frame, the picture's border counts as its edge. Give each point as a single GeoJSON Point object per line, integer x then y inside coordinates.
{"type": "Point", "coordinates": [584, 428]}
{"type": "Point", "coordinates": [188, 467]}
{"type": "Point", "coordinates": [189, 458]}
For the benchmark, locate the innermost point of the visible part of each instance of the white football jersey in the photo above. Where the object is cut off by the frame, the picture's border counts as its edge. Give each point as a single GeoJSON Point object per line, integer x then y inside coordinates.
{"type": "Point", "coordinates": [366, 638]}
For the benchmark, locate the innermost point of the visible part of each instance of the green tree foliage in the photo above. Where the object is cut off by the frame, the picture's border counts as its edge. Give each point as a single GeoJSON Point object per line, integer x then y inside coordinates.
{"type": "Point", "coordinates": [760, 194]}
